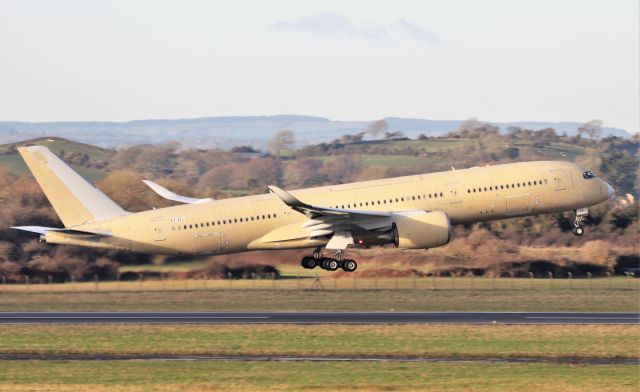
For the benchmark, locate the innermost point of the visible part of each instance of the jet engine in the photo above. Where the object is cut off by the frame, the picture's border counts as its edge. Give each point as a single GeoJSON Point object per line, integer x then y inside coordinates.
{"type": "Point", "coordinates": [421, 230]}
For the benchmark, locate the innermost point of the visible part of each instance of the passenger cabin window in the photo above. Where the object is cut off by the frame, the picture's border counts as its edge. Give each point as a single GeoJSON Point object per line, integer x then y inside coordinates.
{"type": "Point", "coordinates": [588, 175]}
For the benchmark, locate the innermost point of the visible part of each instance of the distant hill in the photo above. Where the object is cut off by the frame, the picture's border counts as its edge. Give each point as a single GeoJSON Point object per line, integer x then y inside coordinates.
{"type": "Point", "coordinates": [76, 154]}
{"type": "Point", "coordinates": [225, 132]}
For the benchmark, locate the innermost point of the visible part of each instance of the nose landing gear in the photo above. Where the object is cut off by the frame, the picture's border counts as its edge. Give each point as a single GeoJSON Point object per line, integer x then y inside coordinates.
{"type": "Point", "coordinates": [581, 215]}
{"type": "Point", "coordinates": [329, 263]}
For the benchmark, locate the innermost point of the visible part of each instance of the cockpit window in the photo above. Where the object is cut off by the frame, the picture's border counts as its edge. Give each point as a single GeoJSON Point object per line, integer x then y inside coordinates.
{"type": "Point", "coordinates": [588, 175]}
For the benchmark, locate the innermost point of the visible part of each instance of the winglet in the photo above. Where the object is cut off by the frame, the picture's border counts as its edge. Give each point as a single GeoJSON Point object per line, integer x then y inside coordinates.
{"type": "Point", "coordinates": [167, 194]}
{"type": "Point", "coordinates": [286, 197]}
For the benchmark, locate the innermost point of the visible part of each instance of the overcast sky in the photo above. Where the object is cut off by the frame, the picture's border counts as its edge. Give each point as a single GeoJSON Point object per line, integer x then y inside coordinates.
{"type": "Point", "coordinates": [346, 59]}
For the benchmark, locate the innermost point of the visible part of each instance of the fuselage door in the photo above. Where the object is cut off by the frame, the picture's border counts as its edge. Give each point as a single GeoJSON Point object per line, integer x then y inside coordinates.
{"type": "Point", "coordinates": [207, 242]}
{"type": "Point", "coordinates": [559, 179]}
{"type": "Point", "coordinates": [454, 192]}
{"type": "Point", "coordinates": [157, 225]}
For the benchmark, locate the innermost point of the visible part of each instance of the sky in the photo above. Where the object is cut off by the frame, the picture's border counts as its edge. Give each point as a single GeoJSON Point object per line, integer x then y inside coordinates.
{"type": "Point", "coordinates": [496, 60]}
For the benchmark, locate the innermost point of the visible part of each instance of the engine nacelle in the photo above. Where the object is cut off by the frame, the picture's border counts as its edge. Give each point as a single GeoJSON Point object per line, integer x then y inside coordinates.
{"type": "Point", "coordinates": [421, 230]}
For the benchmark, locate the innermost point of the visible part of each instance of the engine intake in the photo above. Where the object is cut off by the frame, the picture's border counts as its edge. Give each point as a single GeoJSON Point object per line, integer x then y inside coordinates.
{"type": "Point", "coordinates": [421, 230]}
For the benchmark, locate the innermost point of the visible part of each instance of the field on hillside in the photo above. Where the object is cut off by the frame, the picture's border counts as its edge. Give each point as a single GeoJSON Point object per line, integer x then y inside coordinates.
{"type": "Point", "coordinates": [10, 158]}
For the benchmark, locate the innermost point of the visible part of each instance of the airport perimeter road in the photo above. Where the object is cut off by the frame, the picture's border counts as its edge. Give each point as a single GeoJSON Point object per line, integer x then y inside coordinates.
{"type": "Point", "coordinates": [317, 318]}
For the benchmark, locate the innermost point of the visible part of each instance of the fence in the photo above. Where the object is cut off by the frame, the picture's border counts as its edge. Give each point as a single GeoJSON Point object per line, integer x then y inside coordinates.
{"type": "Point", "coordinates": [328, 283]}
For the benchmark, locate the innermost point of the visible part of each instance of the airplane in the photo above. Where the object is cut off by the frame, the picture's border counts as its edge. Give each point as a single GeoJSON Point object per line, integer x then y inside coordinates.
{"type": "Point", "coordinates": [411, 212]}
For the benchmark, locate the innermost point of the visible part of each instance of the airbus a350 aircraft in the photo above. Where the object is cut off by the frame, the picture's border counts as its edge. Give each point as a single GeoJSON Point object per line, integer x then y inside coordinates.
{"type": "Point", "coordinates": [413, 212]}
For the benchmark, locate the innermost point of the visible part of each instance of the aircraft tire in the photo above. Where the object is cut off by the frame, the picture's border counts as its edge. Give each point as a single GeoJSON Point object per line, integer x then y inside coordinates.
{"type": "Point", "coordinates": [578, 231]}
{"type": "Point", "coordinates": [325, 262]}
{"type": "Point", "coordinates": [330, 264]}
{"type": "Point", "coordinates": [308, 262]}
{"type": "Point", "coordinates": [349, 265]}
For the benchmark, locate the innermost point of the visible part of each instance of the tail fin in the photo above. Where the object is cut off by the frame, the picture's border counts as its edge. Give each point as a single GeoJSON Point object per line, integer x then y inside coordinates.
{"type": "Point", "coordinates": [74, 199]}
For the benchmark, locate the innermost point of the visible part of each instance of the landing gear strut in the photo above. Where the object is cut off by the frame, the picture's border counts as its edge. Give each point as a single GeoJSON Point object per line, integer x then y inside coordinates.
{"type": "Point", "coordinates": [329, 263]}
{"type": "Point", "coordinates": [581, 215]}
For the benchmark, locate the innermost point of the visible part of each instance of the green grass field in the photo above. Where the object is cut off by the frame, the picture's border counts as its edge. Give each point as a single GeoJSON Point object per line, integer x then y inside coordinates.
{"type": "Point", "coordinates": [337, 295]}
{"type": "Point", "coordinates": [278, 376]}
{"type": "Point", "coordinates": [407, 340]}
{"type": "Point", "coordinates": [548, 341]}
{"type": "Point", "coordinates": [13, 162]}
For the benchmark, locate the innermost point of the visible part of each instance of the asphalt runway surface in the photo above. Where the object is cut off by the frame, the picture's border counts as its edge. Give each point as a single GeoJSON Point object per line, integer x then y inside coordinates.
{"type": "Point", "coordinates": [318, 318]}
{"type": "Point", "coordinates": [318, 358]}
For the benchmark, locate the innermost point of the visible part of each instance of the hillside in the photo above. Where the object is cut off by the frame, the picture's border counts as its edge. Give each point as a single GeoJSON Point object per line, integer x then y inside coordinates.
{"type": "Point", "coordinates": [90, 161]}
{"type": "Point", "coordinates": [95, 162]}
{"type": "Point", "coordinates": [228, 131]}
{"type": "Point", "coordinates": [390, 157]}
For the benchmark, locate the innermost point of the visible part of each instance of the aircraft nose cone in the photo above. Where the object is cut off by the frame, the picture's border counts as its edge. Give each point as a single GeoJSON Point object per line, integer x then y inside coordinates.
{"type": "Point", "coordinates": [610, 190]}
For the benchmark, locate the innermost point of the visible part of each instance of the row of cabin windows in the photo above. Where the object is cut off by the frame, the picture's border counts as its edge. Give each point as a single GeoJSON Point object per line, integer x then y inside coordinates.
{"type": "Point", "coordinates": [225, 221]}
{"type": "Point", "coordinates": [365, 204]}
{"type": "Point", "coordinates": [507, 186]}
{"type": "Point", "coordinates": [270, 216]}
{"type": "Point", "coordinates": [390, 201]}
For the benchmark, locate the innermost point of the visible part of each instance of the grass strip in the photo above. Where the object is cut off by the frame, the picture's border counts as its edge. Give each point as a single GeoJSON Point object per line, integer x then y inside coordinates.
{"type": "Point", "coordinates": [614, 300]}
{"type": "Point", "coordinates": [592, 341]}
{"type": "Point", "coordinates": [267, 376]}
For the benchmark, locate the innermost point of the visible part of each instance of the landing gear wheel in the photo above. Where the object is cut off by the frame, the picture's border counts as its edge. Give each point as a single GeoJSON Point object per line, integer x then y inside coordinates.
{"type": "Point", "coordinates": [349, 265]}
{"type": "Point", "coordinates": [308, 262]}
{"type": "Point", "coordinates": [330, 264]}
{"type": "Point", "coordinates": [333, 265]}
{"type": "Point", "coordinates": [581, 215]}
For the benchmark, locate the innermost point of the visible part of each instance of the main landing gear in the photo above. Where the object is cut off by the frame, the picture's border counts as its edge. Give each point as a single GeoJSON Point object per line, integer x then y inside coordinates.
{"type": "Point", "coordinates": [329, 263]}
{"type": "Point", "coordinates": [581, 215]}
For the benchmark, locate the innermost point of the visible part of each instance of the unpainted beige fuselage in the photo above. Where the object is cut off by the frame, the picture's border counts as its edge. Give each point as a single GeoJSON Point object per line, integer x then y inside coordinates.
{"type": "Point", "coordinates": [265, 222]}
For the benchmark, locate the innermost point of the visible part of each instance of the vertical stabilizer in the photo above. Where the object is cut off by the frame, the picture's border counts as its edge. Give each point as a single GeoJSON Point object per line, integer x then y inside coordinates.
{"type": "Point", "coordinates": [74, 199]}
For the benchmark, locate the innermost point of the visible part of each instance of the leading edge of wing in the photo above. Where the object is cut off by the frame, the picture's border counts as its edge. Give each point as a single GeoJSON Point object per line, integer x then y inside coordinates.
{"type": "Point", "coordinates": [314, 211]}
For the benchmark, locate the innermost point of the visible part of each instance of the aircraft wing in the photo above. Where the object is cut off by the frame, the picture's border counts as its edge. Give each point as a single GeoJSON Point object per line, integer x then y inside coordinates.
{"type": "Point", "coordinates": [317, 211]}
{"type": "Point", "coordinates": [339, 223]}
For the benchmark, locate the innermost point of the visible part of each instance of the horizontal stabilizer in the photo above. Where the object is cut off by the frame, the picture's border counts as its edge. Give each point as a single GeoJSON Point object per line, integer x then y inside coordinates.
{"type": "Point", "coordinates": [167, 194]}
{"type": "Point", "coordinates": [44, 230]}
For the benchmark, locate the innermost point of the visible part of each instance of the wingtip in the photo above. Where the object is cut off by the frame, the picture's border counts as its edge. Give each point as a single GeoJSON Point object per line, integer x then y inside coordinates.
{"type": "Point", "coordinates": [285, 196]}
{"type": "Point", "coordinates": [273, 189]}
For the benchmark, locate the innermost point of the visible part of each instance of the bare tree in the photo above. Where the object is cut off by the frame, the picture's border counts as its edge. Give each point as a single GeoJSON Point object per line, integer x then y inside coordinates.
{"type": "Point", "coordinates": [355, 138]}
{"type": "Point", "coordinates": [592, 128]}
{"type": "Point", "coordinates": [469, 125]}
{"type": "Point", "coordinates": [394, 135]}
{"type": "Point", "coordinates": [375, 128]}
{"type": "Point", "coordinates": [282, 140]}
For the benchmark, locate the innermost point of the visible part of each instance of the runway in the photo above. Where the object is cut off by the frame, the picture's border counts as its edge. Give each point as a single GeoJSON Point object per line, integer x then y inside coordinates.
{"type": "Point", "coordinates": [321, 358]}
{"type": "Point", "coordinates": [318, 318]}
